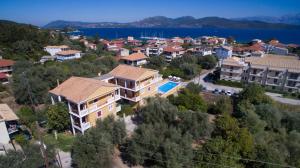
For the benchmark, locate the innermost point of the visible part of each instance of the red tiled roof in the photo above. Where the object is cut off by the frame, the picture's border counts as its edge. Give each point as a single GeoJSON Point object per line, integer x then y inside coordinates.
{"type": "Point", "coordinates": [3, 75]}
{"type": "Point", "coordinates": [134, 57]}
{"type": "Point", "coordinates": [172, 49]}
{"type": "Point", "coordinates": [6, 62]}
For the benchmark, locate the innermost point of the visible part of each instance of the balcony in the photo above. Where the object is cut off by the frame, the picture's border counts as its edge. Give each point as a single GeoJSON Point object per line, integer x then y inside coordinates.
{"type": "Point", "coordinates": [134, 99]}
{"type": "Point", "coordinates": [232, 70]}
{"type": "Point", "coordinates": [86, 125]}
{"type": "Point", "coordinates": [293, 78]}
{"type": "Point", "coordinates": [118, 108]}
{"type": "Point", "coordinates": [94, 107]}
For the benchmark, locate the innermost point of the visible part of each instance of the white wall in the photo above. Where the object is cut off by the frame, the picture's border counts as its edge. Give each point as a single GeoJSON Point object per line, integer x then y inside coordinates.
{"type": "Point", "coordinates": [4, 137]}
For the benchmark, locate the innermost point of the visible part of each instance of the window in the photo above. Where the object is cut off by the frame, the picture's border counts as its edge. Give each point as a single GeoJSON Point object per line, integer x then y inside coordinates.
{"type": "Point", "coordinates": [99, 113]}
{"type": "Point", "coordinates": [110, 107]}
{"type": "Point", "coordinates": [254, 71]}
{"type": "Point", "coordinates": [149, 88]}
{"type": "Point", "coordinates": [275, 81]}
{"type": "Point", "coordinates": [276, 73]}
{"type": "Point", "coordinates": [230, 74]}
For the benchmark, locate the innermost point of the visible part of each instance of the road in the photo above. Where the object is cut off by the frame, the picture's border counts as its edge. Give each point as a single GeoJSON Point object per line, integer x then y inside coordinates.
{"type": "Point", "coordinates": [211, 87]}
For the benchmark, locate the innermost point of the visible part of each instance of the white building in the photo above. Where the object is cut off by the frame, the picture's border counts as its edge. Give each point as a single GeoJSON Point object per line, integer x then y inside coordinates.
{"type": "Point", "coordinates": [8, 123]}
{"type": "Point", "coordinates": [68, 55]}
{"type": "Point", "coordinates": [124, 52]}
{"type": "Point", "coordinates": [224, 52]}
{"type": "Point", "coordinates": [154, 50]}
{"type": "Point", "coordinates": [280, 51]}
{"type": "Point", "coordinates": [52, 50]}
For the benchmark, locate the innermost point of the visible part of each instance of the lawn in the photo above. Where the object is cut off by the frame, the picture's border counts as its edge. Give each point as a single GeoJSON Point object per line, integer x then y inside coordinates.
{"type": "Point", "coordinates": [64, 141]}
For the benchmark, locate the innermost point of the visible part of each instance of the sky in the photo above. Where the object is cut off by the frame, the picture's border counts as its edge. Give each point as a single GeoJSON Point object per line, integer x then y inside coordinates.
{"type": "Point", "coordinates": [41, 12]}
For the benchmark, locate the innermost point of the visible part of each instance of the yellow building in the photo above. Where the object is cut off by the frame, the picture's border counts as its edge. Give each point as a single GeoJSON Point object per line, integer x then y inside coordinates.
{"type": "Point", "coordinates": [135, 83]}
{"type": "Point", "coordinates": [88, 100]}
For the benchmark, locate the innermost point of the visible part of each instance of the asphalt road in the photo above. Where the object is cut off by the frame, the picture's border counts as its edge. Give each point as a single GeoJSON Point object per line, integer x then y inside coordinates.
{"type": "Point", "coordinates": [211, 87]}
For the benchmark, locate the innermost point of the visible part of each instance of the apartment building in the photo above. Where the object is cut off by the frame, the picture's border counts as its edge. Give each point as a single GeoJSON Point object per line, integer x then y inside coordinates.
{"type": "Point", "coordinates": [88, 100]}
{"type": "Point", "coordinates": [135, 59]}
{"type": "Point", "coordinates": [68, 55]}
{"type": "Point", "coordinates": [273, 71]}
{"type": "Point", "coordinates": [232, 69]}
{"type": "Point", "coordinates": [53, 50]}
{"type": "Point", "coordinates": [135, 83]}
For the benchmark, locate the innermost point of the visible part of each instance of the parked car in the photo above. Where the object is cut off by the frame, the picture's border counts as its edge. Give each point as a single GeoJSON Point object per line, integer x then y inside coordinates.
{"type": "Point", "coordinates": [223, 91]}
{"type": "Point", "coordinates": [217, 91]}
{"type": "Point", "coordinates": [228, 93]}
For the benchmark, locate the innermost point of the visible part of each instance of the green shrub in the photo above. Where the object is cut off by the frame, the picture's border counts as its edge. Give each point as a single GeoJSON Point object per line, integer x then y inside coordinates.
{"type": "Point", "coordinates": [20, 139]}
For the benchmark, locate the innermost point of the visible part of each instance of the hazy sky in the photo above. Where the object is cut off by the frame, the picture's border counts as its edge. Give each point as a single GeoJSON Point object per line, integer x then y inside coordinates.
{"type": "Point", "coordinates": [40, 12]}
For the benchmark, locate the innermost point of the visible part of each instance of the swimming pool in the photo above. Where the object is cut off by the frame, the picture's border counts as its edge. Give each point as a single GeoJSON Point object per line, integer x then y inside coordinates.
{"type": "Point", "coordinates": [167, 87]}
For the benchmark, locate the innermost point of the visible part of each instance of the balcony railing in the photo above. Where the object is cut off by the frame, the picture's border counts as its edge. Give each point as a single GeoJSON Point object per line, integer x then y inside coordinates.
{"type": "Point", "coordinates": [95, 107]}
{"type": "Point", "coordinates": [118, 108]}
{"type": "Point", "coordinates": [86, 125]}
{"type": "Point", "coordinates": [231, 70]}
{"type": "Point", "coordinates": [293, 78]}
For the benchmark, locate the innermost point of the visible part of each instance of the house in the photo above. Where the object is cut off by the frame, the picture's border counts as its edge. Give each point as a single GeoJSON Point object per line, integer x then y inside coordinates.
{"type": "Point", "coordinates": [203, 51]}
{"type": "Point", "coordinates": [88, 100]}
{"type": "Point", "coordinates": [6, 66]}
{"type": "Point", "coordinates": [68, 55]}
{"type": "Point", "coordinates": [53, 50]}
{"type": "Point", "coordinates": [136, 83]}
{"type": "Point", "coordinates": [223, 52]}
{"type": "Point", "coordinates": [177, 40]}
{"type": "Point", "coordinates": [8, 124]}
{"type": "Point", "coordinates": [154, 50]}
{"type": "Point", "coordinates": [135, 59]}
{"type": "Point", "coordinates": [124, 52]}
{"type": "Point", "coordinates": [172, 52]}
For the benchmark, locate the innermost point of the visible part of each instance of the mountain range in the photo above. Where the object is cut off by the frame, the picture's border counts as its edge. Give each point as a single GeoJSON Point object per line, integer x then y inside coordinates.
{"type": "Point", "coordinates": [286, 19]}
{"type": "Point", "coordinates": [181, 22]}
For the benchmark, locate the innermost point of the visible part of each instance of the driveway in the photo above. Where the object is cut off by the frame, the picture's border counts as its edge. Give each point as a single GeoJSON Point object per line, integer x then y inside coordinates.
{"type": "Point", "coordinates": [211, 87]}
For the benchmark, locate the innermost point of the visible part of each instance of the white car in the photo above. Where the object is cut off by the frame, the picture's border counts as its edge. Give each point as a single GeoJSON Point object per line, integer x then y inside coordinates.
{"type": "Point", "coordinates": [228, 93]}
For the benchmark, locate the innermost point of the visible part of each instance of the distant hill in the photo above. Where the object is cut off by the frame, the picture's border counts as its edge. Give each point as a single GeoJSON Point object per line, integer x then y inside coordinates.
{"type": "Point", "coordinates": [181, 22]}
{"type": "Point", "coordinates": [286, 19]}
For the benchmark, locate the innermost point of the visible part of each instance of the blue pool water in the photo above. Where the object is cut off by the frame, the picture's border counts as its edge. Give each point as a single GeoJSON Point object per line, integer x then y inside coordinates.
{"type": "Point", "coordinates": [167, 86]}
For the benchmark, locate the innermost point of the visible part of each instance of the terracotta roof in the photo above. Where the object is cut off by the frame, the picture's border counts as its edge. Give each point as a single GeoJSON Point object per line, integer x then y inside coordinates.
{"type": "Point", "coordinates": [135, 57]}
{"type": "Point", "coordinates": [7, 114]}
{"type": "Point", "coordinates": [3, 75]}
{"type": "Point", "coordinates": [78, 89]}
{"type": "Point", "coordinates": [293, 45]}
{"type": "Point", "coordinates": [138, 49]}
{"type": "Point", "coordinates": [275, 62]}
{"type": "Point", "coordinates": [173, 49]}
{"type": "Point", "coordinates": [60, 46]}
{"type": "Point", "coordinates": [132, 73]}
{"type": "Point", "coordinates": [68, 52]}
{"type": "Point", "coordinates": [6, 62]}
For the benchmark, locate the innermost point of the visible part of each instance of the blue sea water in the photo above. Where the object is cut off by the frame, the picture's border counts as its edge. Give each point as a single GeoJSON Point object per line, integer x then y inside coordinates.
{"type": "Point", "coordinates": [167, 86]}
{"type": "Point", "coordinates": [241, 35]}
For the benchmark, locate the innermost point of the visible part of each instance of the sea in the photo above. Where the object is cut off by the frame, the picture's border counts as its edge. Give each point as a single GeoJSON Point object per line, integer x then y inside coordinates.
{"type": "Point", "coordinates": [240, 35]}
